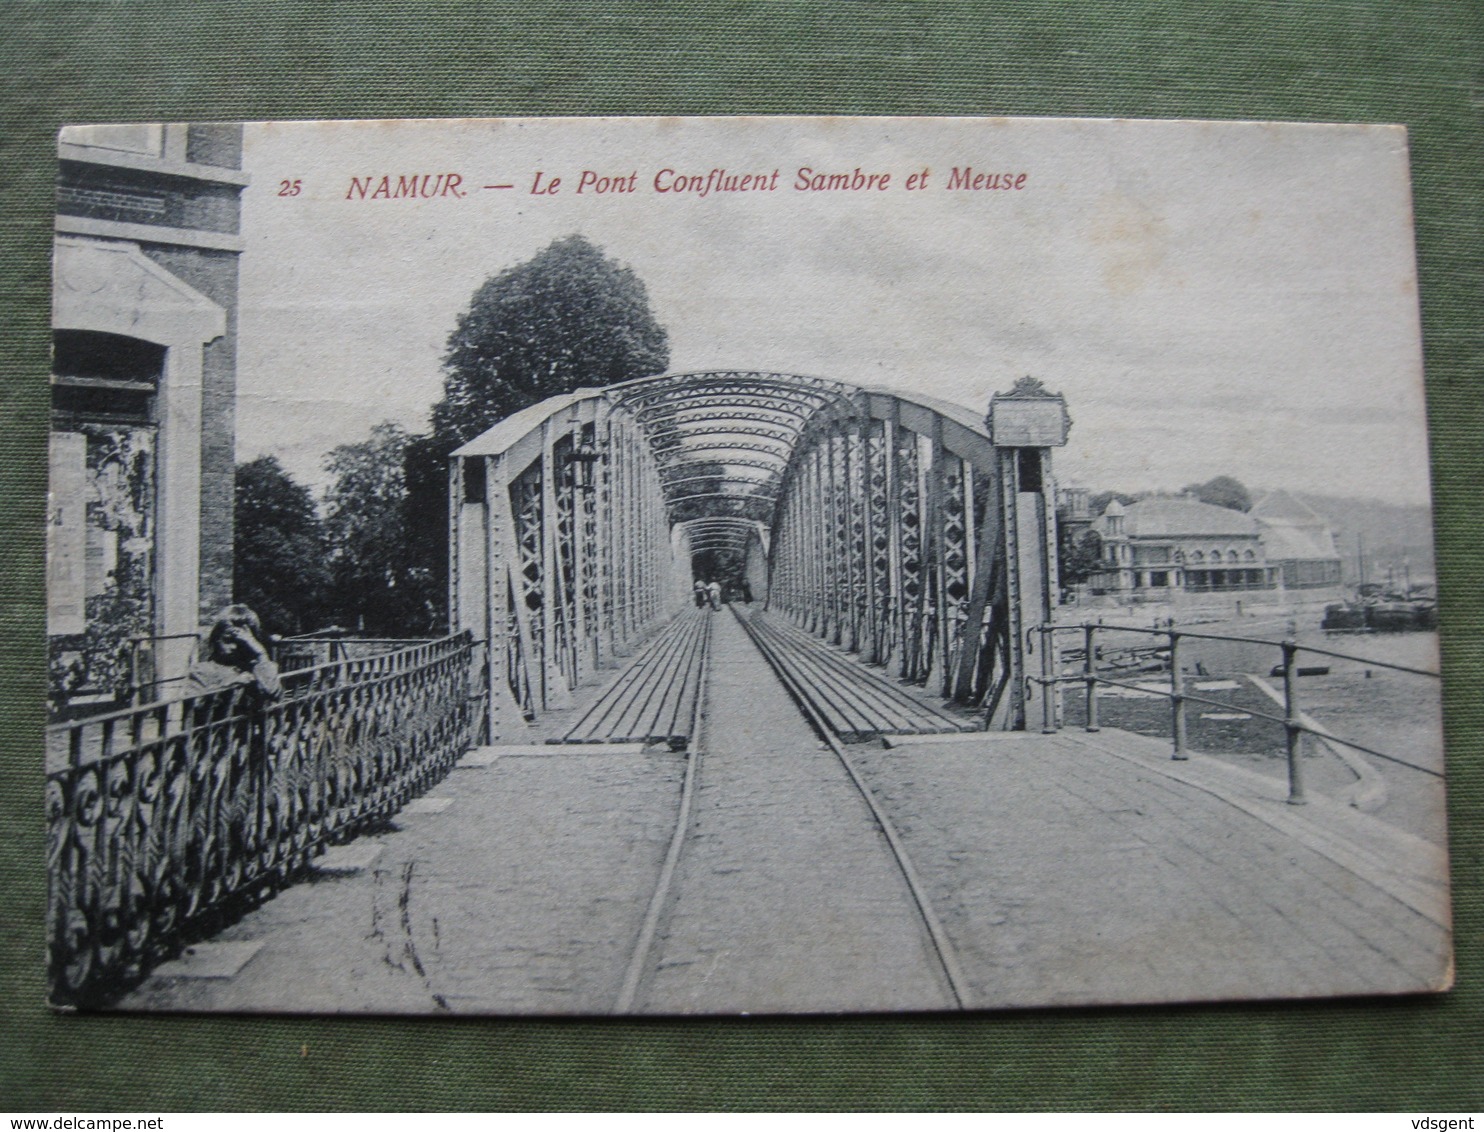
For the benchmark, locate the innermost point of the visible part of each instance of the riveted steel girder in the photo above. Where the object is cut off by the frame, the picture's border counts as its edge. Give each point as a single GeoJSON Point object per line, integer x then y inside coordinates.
{"type": "Point", "coordinates": [647, 390]}
{"type": "Point", "coordinates": [682, 475]}
{"type": "Point", "coordinates": [760, 509]}
{"type": "Point", "coordinates": [740, 418]}
{"type": "Point", "coordinates": [733, 461]}
{"type": "Point", "coordinates": [763, 447]}
{"type": "Point", "coordinates": [684, 439]}
{"type": "Point", "coordinates": [735, 404]}
{"type": "Point", "coordinates": [740, 525]}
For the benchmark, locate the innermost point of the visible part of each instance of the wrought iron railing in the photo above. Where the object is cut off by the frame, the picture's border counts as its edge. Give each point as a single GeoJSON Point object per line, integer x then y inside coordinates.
{"type": "Point", "coordinates": [1168, 656]}
{"type": "Point", "coordinates": [312, 650]}
{"type": "Point", "coordinates": [146, 685]}
{"type": "Point", "coordinates": [161, 817]}
{"type": "Point", "coordinates": [145, 681]}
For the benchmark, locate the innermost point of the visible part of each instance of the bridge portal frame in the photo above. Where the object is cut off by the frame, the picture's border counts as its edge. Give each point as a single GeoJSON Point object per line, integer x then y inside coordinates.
{"type": "Point", "coordinates": [562, 555]}
{"type": "Point", "coordinates": [907, 535]}
{"type": "Point", "coordinates": [876, 543]}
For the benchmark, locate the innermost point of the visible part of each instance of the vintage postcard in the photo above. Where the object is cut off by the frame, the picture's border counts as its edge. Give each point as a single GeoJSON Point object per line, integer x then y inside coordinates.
{"type": "Point", "coordinates": [740, 565]}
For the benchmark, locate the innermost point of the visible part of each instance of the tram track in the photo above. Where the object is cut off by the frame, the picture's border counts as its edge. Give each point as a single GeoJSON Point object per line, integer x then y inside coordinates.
{"type": "Point", "coordinates": [640, 960]}
{"type": "Point", "coordinates": [943, 950]}
{"type": "Point", "coordinates": [729, 929]}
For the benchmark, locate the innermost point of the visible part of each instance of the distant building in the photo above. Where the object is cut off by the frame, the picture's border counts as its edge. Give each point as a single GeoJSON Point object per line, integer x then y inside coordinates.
{"type": "Point", "coordinates": [1074, 517]}
{"type": "Point", "coordinates": [143, 399]}
{"type": "Point", "coordinates": [1166, 543]}
{"type": "Point", "coordinates": [1299, 542]}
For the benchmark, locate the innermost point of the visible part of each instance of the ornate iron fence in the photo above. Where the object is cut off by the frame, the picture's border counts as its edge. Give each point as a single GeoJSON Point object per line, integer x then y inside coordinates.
{"type": "Point", "coordinates": [159, 817]}
{"type": "Point", "coordinates": [295, 654]}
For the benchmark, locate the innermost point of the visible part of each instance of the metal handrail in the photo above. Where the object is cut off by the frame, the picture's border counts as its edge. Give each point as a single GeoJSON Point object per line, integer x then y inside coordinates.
{"type": "Point", "coordinates": [140, 693]}
{"type": "Point", "coordinates": [312, 639]}
{"type": "Point", "coordinates": [1264, 641]}
{"type": "Point", "coordinates": [162, 817]}
{"type": "Point", "coordinates": [142, 645]}
{"type": "Point", "coordinates": [1292, 718]}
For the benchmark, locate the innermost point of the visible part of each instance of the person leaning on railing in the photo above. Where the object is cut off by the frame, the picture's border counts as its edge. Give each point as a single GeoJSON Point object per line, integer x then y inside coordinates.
{"type": "Point", "coordinates": [235, 656]}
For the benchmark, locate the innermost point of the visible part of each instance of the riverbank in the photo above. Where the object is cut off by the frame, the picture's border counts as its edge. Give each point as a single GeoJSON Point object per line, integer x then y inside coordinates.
{"type": "Point", "coordinates": [1352, 695]}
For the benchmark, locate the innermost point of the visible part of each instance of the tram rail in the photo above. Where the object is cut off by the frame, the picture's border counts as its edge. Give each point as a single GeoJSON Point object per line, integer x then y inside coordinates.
{"type": "Point", "coordinates": [942, 947]}
{"type": "Point", "coordinates": [641, 961]}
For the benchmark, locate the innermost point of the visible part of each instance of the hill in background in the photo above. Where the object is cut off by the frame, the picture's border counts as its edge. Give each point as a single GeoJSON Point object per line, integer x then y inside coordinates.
{"type": "Point", "coordinates": [1396, 537]}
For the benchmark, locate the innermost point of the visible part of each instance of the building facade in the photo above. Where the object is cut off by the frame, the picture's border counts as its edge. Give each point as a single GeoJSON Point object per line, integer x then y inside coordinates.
{"type": "Point", "coordinates": [143, 402]}
{"type": "Point", "coordinates": [1299, 542]}
{"type": "Point", "coordinates": [1166, 543]}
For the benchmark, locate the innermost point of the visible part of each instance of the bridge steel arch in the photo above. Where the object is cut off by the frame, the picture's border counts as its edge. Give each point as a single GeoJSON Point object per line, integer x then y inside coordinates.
{"type": "Point", "coordinates": [885, 523]}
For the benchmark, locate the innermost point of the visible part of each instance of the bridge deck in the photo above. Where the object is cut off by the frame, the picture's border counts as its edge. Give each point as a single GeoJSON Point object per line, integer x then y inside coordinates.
{"type": "Point", "coordinates": [653, 699]}
{"type": "Point", "coordinates": [1067, 868]}
{"type": "Point", "coordinates": [857, 702]}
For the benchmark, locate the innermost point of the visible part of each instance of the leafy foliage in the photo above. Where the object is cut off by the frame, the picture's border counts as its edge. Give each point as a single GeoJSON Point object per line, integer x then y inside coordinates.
{"type": "Point", "coordinates": [1079, 557]}
{"type": "Point", "coordinates": [425, 466]}
{"type": "Point", "coordinates": [568, 317]}
{"type": "Point", "coordinates": [280, 560]}
{"type": "Point", "coordinates": [1222, 491]}
{"type": "Point", "coordinates": [381, 584]}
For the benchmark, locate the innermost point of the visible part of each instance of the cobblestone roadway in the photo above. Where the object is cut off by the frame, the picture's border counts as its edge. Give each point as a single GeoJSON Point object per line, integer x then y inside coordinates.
{"type": "Point", "coordinates": [524, 895]}
{"type": "Point", "coordinates": [1068, 868]}
{"type": "Point", "coordinates": [1065, 874]}
{"type": "Point", "coordinates": [787, 897]}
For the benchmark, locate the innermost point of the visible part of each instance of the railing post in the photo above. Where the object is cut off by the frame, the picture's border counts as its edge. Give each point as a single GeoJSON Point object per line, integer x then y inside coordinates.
{"type": "Point", "coordinates": [131, 696]}
{"type": "Point", "coordinates": [1089, 632]}
{"type": "Point", "coordinates": [1293, 726]}
{"type": "Point", "coordinates": [1048, 680]}
{"type": "Point", "coordinates": [1177, 697]}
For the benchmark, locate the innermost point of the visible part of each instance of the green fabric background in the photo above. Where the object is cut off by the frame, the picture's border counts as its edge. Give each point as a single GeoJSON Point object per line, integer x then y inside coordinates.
{"type": "Point", "coordinates": [1365, 60]}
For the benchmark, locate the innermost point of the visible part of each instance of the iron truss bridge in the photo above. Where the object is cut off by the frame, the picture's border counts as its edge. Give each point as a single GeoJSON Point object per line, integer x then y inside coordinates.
{"type": "Point", "coordinates": [885, 523]}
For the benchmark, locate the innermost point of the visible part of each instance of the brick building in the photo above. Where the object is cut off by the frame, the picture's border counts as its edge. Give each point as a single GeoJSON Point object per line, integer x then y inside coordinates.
{"type": "Point", "coordinates": [143, 401]}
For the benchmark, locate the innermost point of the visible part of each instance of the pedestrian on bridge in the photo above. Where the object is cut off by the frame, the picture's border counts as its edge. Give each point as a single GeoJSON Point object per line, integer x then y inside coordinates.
{"type": "Point", "coordinates": [713, 592]}
{"type": "Point", "coordinates": [701, 593]}
{"type": "Point", "coordinates": [235, 657]}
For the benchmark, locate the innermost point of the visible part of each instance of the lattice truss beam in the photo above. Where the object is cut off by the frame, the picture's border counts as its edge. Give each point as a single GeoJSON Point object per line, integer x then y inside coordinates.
{"type": "Point", "coordinates": [577, 564]}
{"type": "Point", "coordinates": [874, 523]}
{"type": "Point", "coordinates": [887, 544]}
{"type": "Point", "coordinates": [576, 522]}
{"type": "Point", "coordinates": [723, 439]}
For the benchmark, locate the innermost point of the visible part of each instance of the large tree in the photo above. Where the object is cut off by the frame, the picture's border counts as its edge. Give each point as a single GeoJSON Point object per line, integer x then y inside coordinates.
{"type": "Point", "coordinates": [1222, 491]}
{"type": "Point", "coordinates": [381, 585]}
{"type": "Point", "coordinates": [279, 565]}
{"type": "Point", "coordinates": [566, 318]}
{"type": "Point", "coordinates": [1080, 557]}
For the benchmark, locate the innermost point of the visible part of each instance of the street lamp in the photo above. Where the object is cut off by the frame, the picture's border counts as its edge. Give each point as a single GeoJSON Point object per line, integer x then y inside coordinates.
{"type": "Point", "coordinates": [580, 461]}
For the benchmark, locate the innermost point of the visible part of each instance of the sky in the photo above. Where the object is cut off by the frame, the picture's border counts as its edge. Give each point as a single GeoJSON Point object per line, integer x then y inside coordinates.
{"type": "Point", "coordinates": [1212, 298]}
